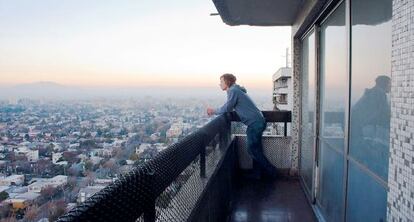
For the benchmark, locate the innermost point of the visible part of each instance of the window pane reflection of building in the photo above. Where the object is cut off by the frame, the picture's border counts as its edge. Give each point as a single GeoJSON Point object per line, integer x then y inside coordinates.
{"type": "Point", "coordinates": [308, 109]}
{"type": "Point", "coordinates": [333, 94]}
{"type": "Point", "coordinates": [371, 83]}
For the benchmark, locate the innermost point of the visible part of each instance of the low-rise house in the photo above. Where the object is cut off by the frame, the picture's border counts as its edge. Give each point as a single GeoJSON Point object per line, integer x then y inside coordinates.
{"type": "Point", "coordinates": [87, 192]}
{"type": "Point", "coordinates": [42, 183]}
{"type": "Point", "coordinates": [56, 157]}
{"type": "Point", "coordinates": [22, 201]}
{"type": "Point", "coordinates": [107, 152]}
{"type": "Point", "coordinates": [142, 147]}
{"type": "Point", "coordinates": [103, 182]}
{"type": "Point", "coordinates": [12, 180]}
{"type": "Point", "coordinates": [4, 188]}
{"type": "Point", "coordinates": [31, 155]}
{"type": "Point", "coordinates": [95, 159]}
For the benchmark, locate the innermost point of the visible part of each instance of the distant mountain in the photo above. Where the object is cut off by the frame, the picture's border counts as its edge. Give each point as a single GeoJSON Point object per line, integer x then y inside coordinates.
{"type": "Point", "coordinates": [41, 90]}
{"type": "Point", "coordinates": [52, 90]}
{"type": "Point", "coordinates": [40, 85]}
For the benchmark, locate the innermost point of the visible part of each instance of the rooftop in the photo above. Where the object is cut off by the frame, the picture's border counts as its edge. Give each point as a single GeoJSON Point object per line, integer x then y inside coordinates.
{"type": "Point", "coordinates": [282, 72]}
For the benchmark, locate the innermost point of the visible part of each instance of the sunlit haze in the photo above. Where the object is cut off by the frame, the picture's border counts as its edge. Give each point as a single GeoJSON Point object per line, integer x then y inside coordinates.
{"type": "Point", "coordinates": [133, 44]}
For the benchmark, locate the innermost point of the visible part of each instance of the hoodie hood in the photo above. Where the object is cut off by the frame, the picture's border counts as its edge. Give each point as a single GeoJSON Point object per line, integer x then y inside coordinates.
{"type": "Point", "coordinates": [240, 87]}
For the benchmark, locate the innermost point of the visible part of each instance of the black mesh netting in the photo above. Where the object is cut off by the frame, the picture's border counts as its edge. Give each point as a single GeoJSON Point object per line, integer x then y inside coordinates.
{"type": "Point", "coordinates": [172, 177]}
{"type": "Point", "coordinates": [172, 186]}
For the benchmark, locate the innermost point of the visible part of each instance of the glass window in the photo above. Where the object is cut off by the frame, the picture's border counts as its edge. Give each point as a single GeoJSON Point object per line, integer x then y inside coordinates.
{"type": "Point", "coordinates": [308, 109]}
{"type": "Point", "coordinates": [370, 109]}
{"type": "Point", "coordinates": [333, 79]}
{"type": "Point", "coordinates": [330, 197]}
{"type": "Point", "coordinates": [333, 94]}
{"type": "Point", "coordinates": [367, 199]}
{"type": "Point", "coordinates": [371, 68]}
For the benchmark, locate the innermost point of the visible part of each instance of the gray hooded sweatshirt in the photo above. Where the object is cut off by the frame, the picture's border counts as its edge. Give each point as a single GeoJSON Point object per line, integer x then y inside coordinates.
{"type": "Point", "coordinates": [238, 100]}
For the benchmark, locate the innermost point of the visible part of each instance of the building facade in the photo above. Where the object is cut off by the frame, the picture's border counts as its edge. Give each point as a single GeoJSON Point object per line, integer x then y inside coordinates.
{"type": "Point", "coordinates": [353, 106]}
{"type": "Point", "coordinates": [283, 89]}
{"type": "Point", "coordinates": [282, 95]}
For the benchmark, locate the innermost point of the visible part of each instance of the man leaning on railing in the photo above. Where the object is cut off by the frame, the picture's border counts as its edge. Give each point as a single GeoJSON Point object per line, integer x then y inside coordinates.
{"type": "Point", "coordinates": [250, 115]}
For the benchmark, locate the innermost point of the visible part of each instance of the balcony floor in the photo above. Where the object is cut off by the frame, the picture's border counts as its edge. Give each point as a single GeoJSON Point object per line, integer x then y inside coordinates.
{"type": "Point", "coordinates": [280, 200]}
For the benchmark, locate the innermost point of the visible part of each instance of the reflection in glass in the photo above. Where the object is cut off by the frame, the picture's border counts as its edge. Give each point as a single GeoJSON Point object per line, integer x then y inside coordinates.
{"type": "Point", "coordinates": [333, 79]}
{"type": "Point", "coordinates": [333, 92]}
{"type": "Point", "coordinates": [331, 183]}
{"type": "Point", "coordinates": [308, 109]}
{"type": "Point", "coordinates": [367, 200]}
{"type": "Point", "coordinates": [370, 87]}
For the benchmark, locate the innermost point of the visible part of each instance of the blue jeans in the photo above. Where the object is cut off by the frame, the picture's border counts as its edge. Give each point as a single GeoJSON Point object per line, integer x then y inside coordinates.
{"type": "Point", "coordinates": [255, 148]}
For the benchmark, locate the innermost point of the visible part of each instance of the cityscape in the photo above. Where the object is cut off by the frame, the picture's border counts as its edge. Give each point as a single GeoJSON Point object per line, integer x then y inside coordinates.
{"type": "Point", "coordinates": [54, 154]}
{"type": "Point", "coordinates": [205, 111]}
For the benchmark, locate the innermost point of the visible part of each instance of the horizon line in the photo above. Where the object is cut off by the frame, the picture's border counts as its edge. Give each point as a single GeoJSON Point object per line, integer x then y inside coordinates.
{"type": "Point", "coordinates": [254, 86]}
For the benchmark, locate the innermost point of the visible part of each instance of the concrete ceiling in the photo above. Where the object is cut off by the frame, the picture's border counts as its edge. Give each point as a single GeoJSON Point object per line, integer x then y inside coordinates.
{"type": "Point", "coordinates": [284, 12]}
{"type": "Point", "coordinates": [258, 12]}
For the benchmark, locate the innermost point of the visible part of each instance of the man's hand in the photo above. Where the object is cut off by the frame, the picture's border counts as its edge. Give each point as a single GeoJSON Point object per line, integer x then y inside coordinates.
{"type": "Point", "coordinates": [210, 111]}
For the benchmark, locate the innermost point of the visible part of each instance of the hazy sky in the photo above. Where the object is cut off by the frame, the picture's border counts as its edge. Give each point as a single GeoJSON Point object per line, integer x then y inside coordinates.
{"type": "Point", "coordinates": [132, 43]}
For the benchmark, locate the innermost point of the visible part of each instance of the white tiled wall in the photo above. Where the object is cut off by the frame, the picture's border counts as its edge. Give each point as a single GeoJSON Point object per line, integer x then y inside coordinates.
{"type": "Point", "coordinates": [401, 165]}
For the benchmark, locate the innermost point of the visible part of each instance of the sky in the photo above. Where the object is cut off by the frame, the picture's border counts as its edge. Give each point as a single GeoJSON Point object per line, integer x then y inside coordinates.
{"type": "Point", "coordinates": [133, 43]}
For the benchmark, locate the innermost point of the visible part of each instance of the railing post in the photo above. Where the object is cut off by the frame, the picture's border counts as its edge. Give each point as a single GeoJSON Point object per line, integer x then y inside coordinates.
{"type": "Point", "coordinates": [285, 129]}
{"type": "Point", "coordinates": [203, 162]}
{"type": "Point", "coordinates": [224, 135]}
{"type": "Point", "coordinates": [149, 213]}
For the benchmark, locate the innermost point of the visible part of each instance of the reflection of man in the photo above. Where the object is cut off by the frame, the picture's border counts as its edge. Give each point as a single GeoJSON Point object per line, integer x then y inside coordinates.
{"type": "Point", "coordinates": [370, 122]}
{"type": "Point", "coordinates": [251, 116]}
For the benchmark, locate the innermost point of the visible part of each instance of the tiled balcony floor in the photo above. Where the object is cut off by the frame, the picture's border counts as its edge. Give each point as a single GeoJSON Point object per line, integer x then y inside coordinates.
{"type": "Point", "coordinates": [280, 200]}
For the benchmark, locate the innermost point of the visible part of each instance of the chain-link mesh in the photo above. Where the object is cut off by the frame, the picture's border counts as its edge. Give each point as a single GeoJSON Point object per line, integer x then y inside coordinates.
{"type": "Point", "coordinates": [275, 148]}
{"type": "Point", "coordinates": [179, 199]}
{"type": "Point", "coordinates": [132, 194]}
{"type": "Point", "coordinates": [272, 129]}
{"type": "Point", "coordinates": [172, 186]}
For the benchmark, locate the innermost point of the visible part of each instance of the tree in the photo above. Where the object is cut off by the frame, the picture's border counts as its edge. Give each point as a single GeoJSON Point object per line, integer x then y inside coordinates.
{"type": "Point", "coordinates": [112, 166]}
{"type": "Point", "coordinates": [87, 144]}
{"type": "Point", "coordinates": [70, 156]}
{"type": "Point", "coordinates": [48, 192]}
{"type": "Point", "coordinates": [118, 153]}
{"type": "Point", "coordinates": [73, 171]}
{"type": "Point", "coordinates": [9, 219]}
{"type": "Point", "coordinates": [134, 157]}
{"type": "Point", "coordinates": [149, 129]}
{"type": "Point", "coordinates": [56, 209]}
{"type": "Point", "coordinates": [88, 135]}
{"type": "Point", "coordinates": [4, 195]}
{"type": "Point", "coordinates": [43, 165]}
{"type": "Point", "coordinates": [88, 165]}
{"type": "Point", "coordinates": [123, 131]}
{"type": "Point", "coordinates": [99, 133]}
{"type": "Point", "coordinates": [50, 147]}
{"type": "Point", "coordinates": [58, 170]}
{"type": "Point", "coordinates": [122, 162]}
{"type": "Point", "coordinates": [24, 166]}
{"type": "Point", "coordinates": [31, 213]}
{"type": "Point", "coordinates": [90, 177]}
{"type": "Point", "coordinates": [72, 182]}
{"type": "Point", "coordinates": [5, 210]}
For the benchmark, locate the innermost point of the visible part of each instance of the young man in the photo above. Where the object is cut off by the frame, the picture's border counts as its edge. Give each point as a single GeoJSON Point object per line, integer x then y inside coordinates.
{"type": "Point", "coordinates": [251, 116]}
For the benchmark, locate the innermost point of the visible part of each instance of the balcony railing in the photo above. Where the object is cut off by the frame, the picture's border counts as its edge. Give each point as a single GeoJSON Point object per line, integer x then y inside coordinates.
{"type": "Point", "coordinates": [184, 182]}
{"type": "Point", "coordinates": [281, 85]}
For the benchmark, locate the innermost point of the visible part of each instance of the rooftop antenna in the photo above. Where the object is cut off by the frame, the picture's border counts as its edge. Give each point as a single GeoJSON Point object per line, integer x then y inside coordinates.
{"type": "Point", "coordinates": [287, 57]}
